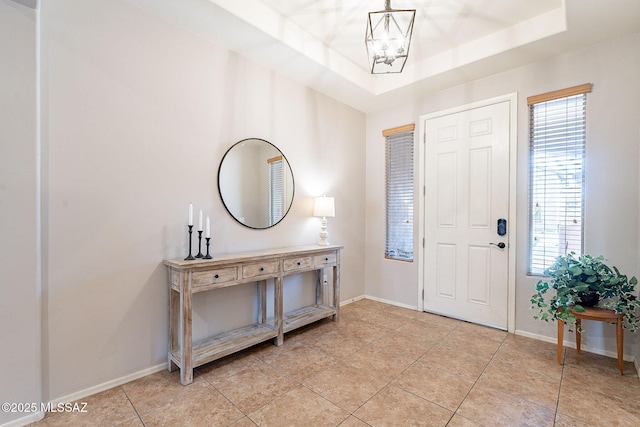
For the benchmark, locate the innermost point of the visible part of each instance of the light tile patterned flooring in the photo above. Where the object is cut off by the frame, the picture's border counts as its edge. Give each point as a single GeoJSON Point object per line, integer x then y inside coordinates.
{"type": "Point", "coordinates": [380, 365]}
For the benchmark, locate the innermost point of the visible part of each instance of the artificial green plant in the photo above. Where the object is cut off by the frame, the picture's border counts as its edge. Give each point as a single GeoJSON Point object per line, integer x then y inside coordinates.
{"type": "Point", "coordinates": [574, 277]}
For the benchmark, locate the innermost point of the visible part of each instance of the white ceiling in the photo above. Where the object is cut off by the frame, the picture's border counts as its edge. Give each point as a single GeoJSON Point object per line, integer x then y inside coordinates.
{"type": "Point", "coordinates": [320, 43]}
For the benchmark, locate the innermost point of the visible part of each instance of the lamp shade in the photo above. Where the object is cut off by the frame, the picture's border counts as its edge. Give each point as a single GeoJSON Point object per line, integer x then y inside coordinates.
{"type": "Point", "coordinates": [324, 206]}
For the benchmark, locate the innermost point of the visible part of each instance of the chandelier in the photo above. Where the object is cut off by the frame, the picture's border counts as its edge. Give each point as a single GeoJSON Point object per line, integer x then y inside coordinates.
{"type": "Point", "coordinates": [388, 38]}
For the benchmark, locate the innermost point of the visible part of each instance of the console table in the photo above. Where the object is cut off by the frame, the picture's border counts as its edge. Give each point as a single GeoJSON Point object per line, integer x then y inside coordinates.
{"type": "Point", "coordinates": [189, 277]}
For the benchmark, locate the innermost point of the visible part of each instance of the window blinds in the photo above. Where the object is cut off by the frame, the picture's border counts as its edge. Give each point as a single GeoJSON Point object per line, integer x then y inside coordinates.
{"type": "Point", "coordinates": [276, 190]}
{"type": "Point", "coordinates": [399, 194]}
{"type": "Point", "coordinates": [556, 181]}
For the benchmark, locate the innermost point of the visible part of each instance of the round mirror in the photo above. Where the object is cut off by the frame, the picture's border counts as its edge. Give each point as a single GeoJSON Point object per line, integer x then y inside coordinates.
{"type": "Point", "coordinates": [255, 183]}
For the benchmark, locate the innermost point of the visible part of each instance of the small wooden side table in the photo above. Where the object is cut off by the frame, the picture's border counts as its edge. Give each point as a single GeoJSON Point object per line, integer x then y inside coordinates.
{"type": "Point", "coordinates": [601, 315]}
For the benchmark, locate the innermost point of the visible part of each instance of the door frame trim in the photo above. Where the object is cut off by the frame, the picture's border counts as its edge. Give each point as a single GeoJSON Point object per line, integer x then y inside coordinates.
{"type": "Point", "coordinates": [512, 98]}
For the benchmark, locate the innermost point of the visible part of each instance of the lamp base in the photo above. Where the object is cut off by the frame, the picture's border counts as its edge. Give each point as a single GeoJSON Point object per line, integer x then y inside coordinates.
{"type": "Point", "coordinates": [324, 234]}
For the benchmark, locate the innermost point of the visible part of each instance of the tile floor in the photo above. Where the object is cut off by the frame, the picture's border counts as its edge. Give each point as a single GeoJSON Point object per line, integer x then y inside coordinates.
{"type": "Point", "coordinates": [380, 365]}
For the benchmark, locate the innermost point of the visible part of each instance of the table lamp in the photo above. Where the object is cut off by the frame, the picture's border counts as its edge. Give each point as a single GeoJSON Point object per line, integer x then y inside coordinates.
{"type": "Point", "coordinates": [324, 207]}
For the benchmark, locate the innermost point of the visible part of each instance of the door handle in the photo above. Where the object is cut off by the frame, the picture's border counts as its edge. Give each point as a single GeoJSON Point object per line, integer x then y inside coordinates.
{"type": "Point", "coordinates": [501, 245]}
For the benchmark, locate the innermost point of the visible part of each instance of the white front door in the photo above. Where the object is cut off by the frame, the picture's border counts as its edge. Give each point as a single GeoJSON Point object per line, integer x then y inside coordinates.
{"type": "Point", "coordinates": [466, 272]}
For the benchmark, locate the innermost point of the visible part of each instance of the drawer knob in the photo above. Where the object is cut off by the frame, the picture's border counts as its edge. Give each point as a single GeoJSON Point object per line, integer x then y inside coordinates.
{"type": "Point", "coordinates": [217, 276]}
{"type": "Point", "coordinates": [299, 263]}
{"type": "Point", "coordinates": [261, 268]}
{"type": "Point", "coordinates": [326, 259]}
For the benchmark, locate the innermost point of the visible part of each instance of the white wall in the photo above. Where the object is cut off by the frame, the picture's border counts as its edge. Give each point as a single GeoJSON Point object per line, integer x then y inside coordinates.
{"type": "Point", "coordinates": [612, 186]}
{"type": "Point", "coordinates": [138, 114]}
{"type": "Point", "coordinates": [19, 286]}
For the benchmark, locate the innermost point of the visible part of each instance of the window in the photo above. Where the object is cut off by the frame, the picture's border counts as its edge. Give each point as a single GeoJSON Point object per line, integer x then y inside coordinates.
{"type": "Point", "coordinates": [399, 193]}
{"type": "Point", "coordinates": [276, 189]}
{"type": "Point", "coordinates": [556, 175]}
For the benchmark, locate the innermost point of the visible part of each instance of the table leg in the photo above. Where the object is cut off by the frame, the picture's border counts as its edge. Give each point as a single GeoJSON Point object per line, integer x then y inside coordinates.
{"type": "Point", "coordinates": [320, 286]}
{"type": "Point", "coordinates": [560, 339]}
{"type": "Point", "coordinates": [620, 342]}
{"type": "Point", "coordinates": [336, 288]}
{"type": "Point", "coordinates": [262, 301]}
{"type": "Point", "coordinates": [578, 334]}
{"type": "Point", "coordinates": [174, 323]}
{"type": "Point", "coordinates": [186, 352]}
{"type": "Point", "coordinates": [278, 310]}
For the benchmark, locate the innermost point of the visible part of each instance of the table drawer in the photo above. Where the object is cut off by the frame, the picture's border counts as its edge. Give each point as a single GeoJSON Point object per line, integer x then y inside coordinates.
{"type": "Point", "coordinates": [259, 269]}
{"type": "Point", "coordinates": [210, 277]}
{"type": "Point", "coordinates": [325, 259]}
{"type": "Point", "coordinates": [291, 264]}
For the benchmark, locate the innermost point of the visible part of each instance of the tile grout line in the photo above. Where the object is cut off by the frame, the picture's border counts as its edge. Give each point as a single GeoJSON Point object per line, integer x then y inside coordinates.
{"type": "Point", "coordinates": [343, 361]}
{"type": "Point", "coordinates": [132, 405]}
{"type": "Point", "coordinates": [223, 395]}
{"type": "Point", "coordinates": [276, 369]}
{"type": "Point", "coordinates": [475, 382]}
{"type": "Point", "coordinates": [401, 372]}
{"type": "Point", "coordinates": [352, 413]}
{"type": "Point", "coordinates": [519, 397]}
{"type": "Point", "coordinates": [555, 415]}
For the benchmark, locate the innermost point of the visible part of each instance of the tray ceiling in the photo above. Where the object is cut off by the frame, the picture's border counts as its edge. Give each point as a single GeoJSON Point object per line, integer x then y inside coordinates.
{"type": "Point", "coordinates": [320, 43]}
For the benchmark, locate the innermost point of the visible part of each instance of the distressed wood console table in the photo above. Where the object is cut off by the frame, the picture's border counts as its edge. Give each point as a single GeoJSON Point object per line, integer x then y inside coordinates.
{"type": "Point", "coordinates": [189, 277]}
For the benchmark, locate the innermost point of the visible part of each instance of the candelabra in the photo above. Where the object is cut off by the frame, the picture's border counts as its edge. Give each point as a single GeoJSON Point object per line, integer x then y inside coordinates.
{"type": "Point", "coordinates": [199, 244]}
{"type": "Point", "coordinates": [190, 257]}
{"type": "Point", "coordinates": [207, 256]}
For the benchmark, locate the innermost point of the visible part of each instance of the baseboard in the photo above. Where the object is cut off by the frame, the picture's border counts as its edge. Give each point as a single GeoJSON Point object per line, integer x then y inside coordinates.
{"type": "Point", "coordinates": [108, 385]}
{"type": "Point", "coordinates": [397, 304]}
{"type": "Point", "coordinates": [538, 337]}
{"type": "Point", "coordinates": [79, 395]}
{"type": "Point", "coordinates": [569, 344]}
{"type": "Point", "coordinates": [25, 421]}
{"type": "Point", "coordinates": [350, 300]}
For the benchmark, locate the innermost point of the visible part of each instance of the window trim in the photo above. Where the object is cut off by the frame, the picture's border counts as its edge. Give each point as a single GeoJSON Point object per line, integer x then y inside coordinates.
{"type": "Point", "coordinates": [561, 93]}
{"type": "Point", "coordinates": [400, 129]}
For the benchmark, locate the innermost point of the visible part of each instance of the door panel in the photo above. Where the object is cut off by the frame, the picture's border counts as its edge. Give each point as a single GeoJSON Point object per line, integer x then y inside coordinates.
{"type": "Point", "coordinates": [479, 259]}
{"type": "Point", "coordinates": [466, 191]}
{"type": "Point", "coordinates": [446, 206]}
{"type": "Point", "coordinates": [480, 188]}
{"type": "Point", "coordinates": [446, 273]}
